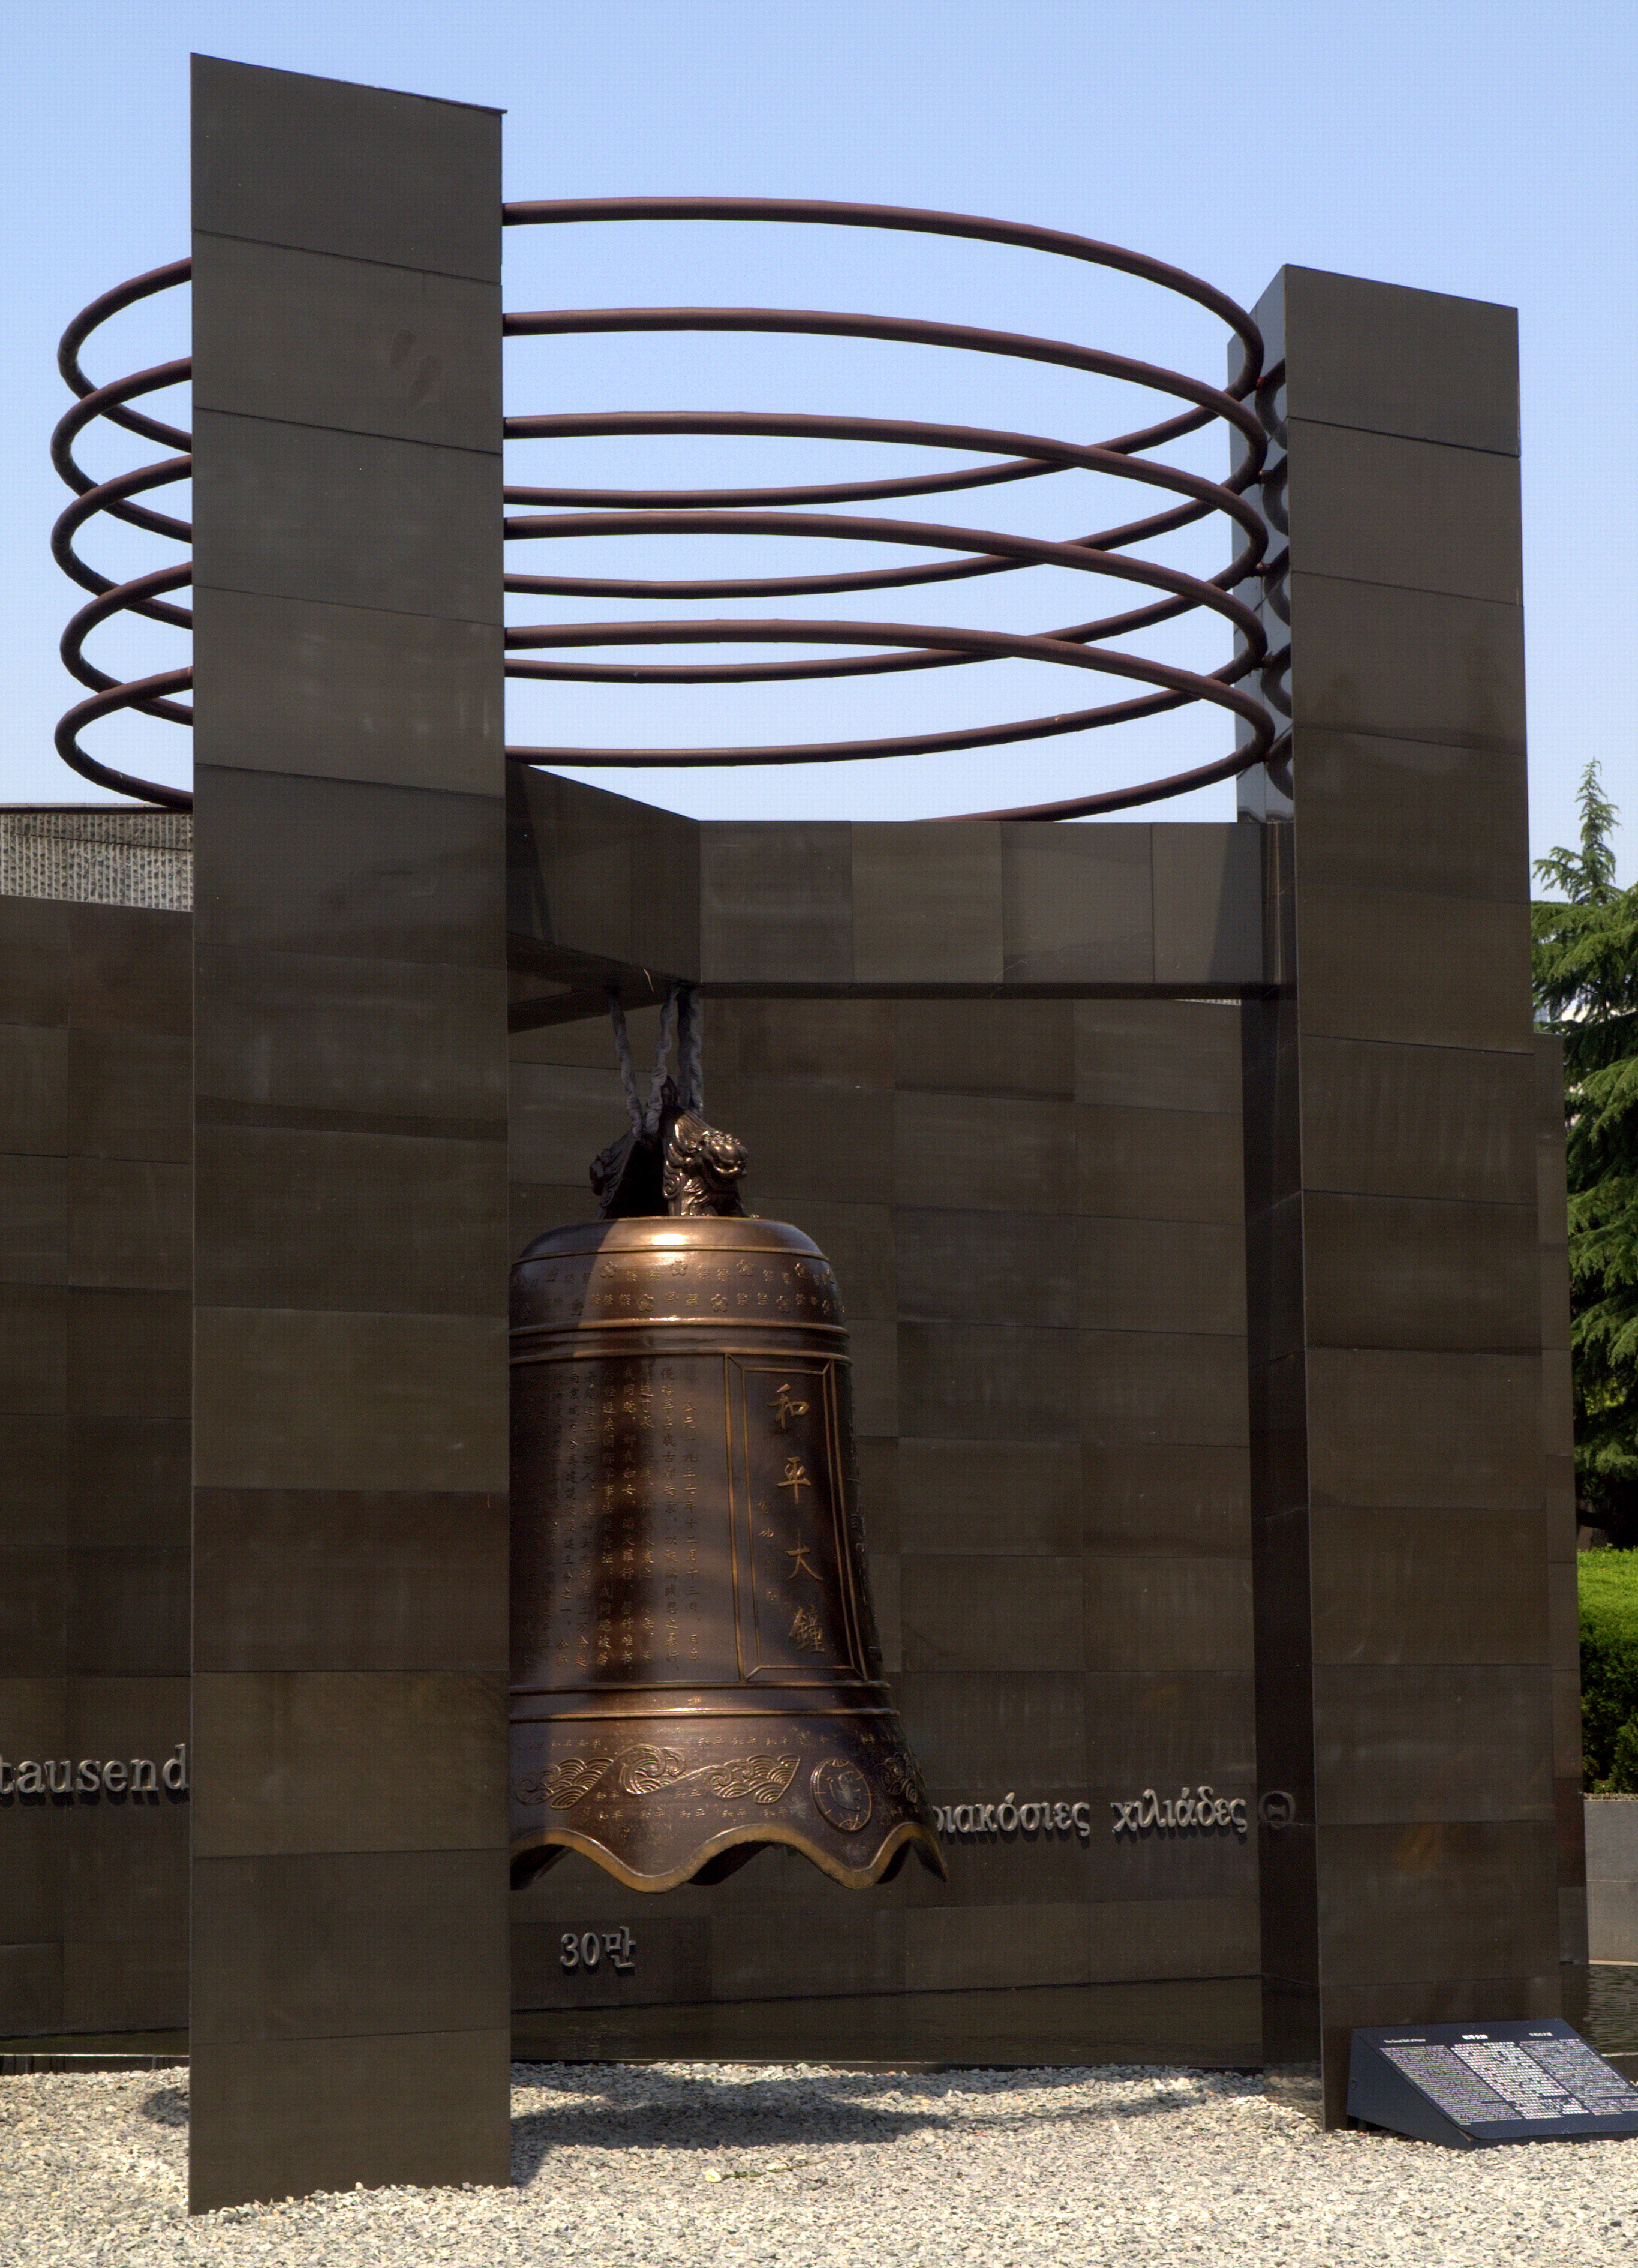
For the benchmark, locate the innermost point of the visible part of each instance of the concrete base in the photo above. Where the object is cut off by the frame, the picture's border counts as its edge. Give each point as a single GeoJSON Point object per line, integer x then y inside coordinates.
{"type": "Point", "coordinates": [1612, 1877]}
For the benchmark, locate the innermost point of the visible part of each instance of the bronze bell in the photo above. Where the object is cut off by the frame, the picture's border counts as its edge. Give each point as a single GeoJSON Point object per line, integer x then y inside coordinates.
{"type": "Point", "coordinates": [695, 1670]}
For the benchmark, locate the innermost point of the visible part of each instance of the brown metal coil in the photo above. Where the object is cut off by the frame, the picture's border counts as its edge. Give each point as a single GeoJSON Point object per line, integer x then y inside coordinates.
{"type": "Point", "coordinates": [140, 595]}
{"type": "Point", "coordinates": [789, 509]}
{"type": "Point", "coordinates": [981, 552]}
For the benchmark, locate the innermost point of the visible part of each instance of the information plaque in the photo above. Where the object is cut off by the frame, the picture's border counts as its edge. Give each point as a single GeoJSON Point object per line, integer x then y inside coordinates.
{"type": "Point", "coordinates": [1472, 2085]}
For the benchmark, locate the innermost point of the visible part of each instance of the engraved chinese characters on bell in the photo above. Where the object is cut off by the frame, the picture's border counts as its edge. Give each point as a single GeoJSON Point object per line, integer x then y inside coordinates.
{"type": "Point", "coordinates": [784, 1407]}
{"type": "Point", "coordinates": [696, 1667]}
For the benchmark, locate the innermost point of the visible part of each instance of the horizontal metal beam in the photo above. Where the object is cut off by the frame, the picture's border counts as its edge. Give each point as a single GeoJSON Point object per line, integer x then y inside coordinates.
{"type": "Point", "coordinates": [607, 890]}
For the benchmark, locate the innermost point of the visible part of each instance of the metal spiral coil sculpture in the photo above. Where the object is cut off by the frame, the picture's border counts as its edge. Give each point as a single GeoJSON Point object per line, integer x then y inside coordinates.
{"type": "Point", "coordinates": [141, 596]}
{"type": "Point", "coordinates": [806, 510]}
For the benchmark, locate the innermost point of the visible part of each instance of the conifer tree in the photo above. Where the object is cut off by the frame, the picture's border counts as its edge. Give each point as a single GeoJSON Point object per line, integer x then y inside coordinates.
{"type": "Point", "coordinates": [1586, 984]}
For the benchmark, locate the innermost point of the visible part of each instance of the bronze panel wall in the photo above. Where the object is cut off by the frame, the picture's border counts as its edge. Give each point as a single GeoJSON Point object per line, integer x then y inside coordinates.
{"type": "Point", "coordinates": [606, 885]}
{"type": "Point", "coordinates": [348, 1999]}
{"type": "Point", "coordinates": [1394, 1230]}
{"type": "Point", "coordinates": [95, 1224]}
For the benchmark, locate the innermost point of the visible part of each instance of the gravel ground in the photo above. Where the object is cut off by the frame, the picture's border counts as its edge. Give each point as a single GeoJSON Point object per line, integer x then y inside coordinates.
{"type": "Point", "coordinates": [633, 2167]}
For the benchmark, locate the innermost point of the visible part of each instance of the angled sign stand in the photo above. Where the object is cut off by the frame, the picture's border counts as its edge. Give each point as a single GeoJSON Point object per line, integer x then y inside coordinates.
{"type": "Point", "coordinates": [1469, 2086]}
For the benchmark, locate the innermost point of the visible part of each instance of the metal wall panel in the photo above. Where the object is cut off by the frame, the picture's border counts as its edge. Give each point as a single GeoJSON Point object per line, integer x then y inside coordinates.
{"type": "Point", "coordinates": [95, 1222]}
{"type": "Point", "coordinates": [1395, 1314]}
{"type": "Point", "coordinates": [348, 1996]}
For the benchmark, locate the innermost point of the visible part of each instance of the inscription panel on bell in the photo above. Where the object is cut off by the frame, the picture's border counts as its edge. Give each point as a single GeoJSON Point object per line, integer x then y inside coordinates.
{"type": "Point", "coordinates": [687, 1526]}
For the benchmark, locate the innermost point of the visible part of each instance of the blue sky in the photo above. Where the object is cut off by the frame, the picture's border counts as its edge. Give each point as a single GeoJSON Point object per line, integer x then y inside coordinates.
{"type": "Point", "coordinates": [1482, 149]}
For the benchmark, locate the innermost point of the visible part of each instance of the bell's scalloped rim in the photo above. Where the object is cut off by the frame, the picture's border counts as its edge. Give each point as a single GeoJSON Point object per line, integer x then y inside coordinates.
{"type": "Point", "coordinates": [851, 1878]}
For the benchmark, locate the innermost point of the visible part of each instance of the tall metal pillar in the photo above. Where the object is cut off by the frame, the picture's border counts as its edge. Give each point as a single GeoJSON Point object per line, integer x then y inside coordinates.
{"type": "Point", "coordinates": [1404, 1686]}
{"type": "Point", "coordinates": [349, 2015]}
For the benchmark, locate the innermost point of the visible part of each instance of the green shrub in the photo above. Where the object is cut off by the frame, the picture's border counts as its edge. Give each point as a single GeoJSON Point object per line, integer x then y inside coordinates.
{"type": "Point", "coordinates": [1608, 1586]}
{"type": "Point", "coordinates": [1623, 1774]}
